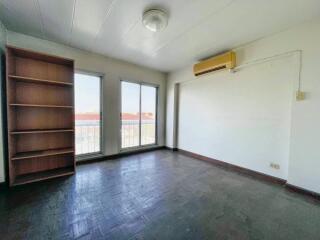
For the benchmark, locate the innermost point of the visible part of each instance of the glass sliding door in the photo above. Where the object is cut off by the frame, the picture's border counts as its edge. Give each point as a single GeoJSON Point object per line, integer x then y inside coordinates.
{"type": "Point", "coordinates": [87, 113]}
{"type": "Point", "coordinates": [138, 114]}
{"type": "Point", "coordinates": [130, 119]}
{"type": "Point", "coordinates": [148, 114]}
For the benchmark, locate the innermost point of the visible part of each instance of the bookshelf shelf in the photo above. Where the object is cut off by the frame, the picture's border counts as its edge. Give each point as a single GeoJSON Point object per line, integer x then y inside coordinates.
{"type": "Point", "coordinates": [42, 175]}
{"type": "Point", "coordinates": [38, 80]}
{"type": "Point", "coordinates": [38, 105]}
{"type": "Point", "coordinates": [37, 131]}
{"type": "Point", "coordinates": [44, 153]}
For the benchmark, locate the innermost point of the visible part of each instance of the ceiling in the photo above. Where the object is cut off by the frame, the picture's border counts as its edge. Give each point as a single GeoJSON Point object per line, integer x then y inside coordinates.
{"type": "Point", "coordinates": [197, 28]}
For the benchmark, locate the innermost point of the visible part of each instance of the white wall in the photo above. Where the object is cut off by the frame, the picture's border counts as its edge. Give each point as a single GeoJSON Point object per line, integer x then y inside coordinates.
{"type": "Point", "coordinates": [113, 71]}
{"type": "Point", "coordinates": [251, 118]}
{"type": "Point", "coordinates": [3, 39]}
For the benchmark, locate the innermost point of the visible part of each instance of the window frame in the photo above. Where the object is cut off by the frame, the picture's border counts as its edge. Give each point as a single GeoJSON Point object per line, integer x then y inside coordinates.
{"type": "Point", "coordinates": [140, 83]}
{"type": "Point", "coordinates": [87, 156]}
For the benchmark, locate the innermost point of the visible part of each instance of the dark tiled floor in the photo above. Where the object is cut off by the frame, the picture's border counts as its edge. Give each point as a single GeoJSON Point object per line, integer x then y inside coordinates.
{"type": "Point", "coordinates": [156, 195]}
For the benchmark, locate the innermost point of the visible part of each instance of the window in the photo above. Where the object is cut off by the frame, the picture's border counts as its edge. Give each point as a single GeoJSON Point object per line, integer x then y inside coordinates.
{"type": "Point", "coordinates": [87, 113]}
{"type": "Point", "coordinates": [138, 114]}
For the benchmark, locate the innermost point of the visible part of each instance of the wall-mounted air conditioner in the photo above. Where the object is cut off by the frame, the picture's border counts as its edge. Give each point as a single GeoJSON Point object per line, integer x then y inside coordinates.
{"type": "Point", "coordinates": [223, 61]}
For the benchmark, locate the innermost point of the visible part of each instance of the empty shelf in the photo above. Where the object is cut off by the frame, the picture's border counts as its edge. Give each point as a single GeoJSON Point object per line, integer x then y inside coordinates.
{"type": "Point", "coordinates": [38, 80]}
{"type": "Point", "coordinates": [52, 152]}
{"type": "Point", "coordinates": [38, 176]}
{"type": "Point", "coordinates": [41, 131]}
{"type": "Point", "coordinates": [38, 105]}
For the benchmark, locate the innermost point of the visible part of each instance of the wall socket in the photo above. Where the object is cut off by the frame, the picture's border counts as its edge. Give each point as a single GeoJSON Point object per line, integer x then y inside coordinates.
{"type": "Point", "coordinates": [300, 95]}
{"type": "Point", "coordinates": [275, 166]}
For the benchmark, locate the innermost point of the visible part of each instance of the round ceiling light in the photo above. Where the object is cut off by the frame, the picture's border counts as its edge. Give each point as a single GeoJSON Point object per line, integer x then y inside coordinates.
{"type": "Point", "coordinates": [155, 20]}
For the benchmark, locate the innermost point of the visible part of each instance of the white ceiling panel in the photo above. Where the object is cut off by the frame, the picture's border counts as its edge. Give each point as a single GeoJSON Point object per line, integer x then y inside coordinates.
{"type": "Point", "coordinates": [89, 17]}
{"type": "Point", "coordinates": [5, 16]}
{"type": "Point", "coordinates": [196, 29]}
{"type": "Point", "coordinates": [189, 17]}
{"type": "Point", "coordinates": [23, 16]}
{"type": "Point", "coordinates": [57, 28]}
{"type": "Point", "coordinates": [184, 15]}
{"type": "Point", "coordinates": [119, 23]}
{"type": "Point", "coordinates": [220, 32]}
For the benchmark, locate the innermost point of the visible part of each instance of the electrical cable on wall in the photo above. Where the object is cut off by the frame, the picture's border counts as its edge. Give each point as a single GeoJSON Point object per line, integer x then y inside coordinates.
{"type": "Point", "coordinates": [300, 95]}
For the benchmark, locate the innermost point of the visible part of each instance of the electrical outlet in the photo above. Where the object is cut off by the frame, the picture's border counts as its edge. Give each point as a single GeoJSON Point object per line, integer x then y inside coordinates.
{"type": "Point", "coordinates": [275, 166]}
{"type": "Point", "coordinates": [300, 96]}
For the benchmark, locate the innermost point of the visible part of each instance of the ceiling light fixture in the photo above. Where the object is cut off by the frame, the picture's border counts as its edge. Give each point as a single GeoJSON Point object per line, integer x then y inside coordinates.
{"type": "Point", "coordinates": [155, 20]}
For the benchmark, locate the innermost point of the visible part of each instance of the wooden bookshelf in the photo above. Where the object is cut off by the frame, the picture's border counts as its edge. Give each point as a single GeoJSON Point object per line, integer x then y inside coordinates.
{"type": "Point", "coordinates": [40, 116]}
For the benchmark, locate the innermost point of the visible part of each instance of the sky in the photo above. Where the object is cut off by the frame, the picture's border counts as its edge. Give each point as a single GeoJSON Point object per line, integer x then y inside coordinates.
{"type": "Point", "coordinates": [130, 99]}
{"type": "Point", "coordinates": [87, 95]}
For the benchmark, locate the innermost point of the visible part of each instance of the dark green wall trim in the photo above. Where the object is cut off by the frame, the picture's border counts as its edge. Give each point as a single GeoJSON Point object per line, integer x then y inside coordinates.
{"type": "Point", "coordinates": [251, 173]}
{"type": "Point", "coordinates": [235, 168]}
{"type": "Point", "coordinates": [303, 191]}
{"type": "Point", "coordinates": [171, 149]}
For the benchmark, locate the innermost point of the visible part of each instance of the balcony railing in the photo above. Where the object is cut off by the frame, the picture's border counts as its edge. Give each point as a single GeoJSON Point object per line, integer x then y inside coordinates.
{"type": "Point", "coordinates": [130, 133]}
{"type": "Point", "coordinates": [88, 135]}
